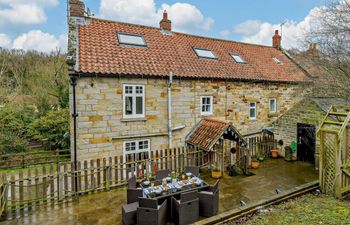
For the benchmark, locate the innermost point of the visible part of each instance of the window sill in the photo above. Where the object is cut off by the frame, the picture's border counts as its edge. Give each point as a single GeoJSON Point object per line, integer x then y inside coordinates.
{"type": "Point", "coordinates": [207, 115]}
{"type": "Point", "coordinates": [252, 120]}
{"type": "Point", "coordinates": [272, 114]}
{"type": "Point", "coordinates": [133, 119]}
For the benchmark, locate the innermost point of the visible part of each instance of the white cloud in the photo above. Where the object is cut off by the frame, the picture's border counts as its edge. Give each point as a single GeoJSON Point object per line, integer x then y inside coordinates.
{"type": "Point", "coordinates": [248, 27]}
{"type": "Point", "coordinates": [40, 41]}
{"type": "Point", "coordinates": [39, 2]}
{"type": "Point", "coordinates": [5, 41]}
{"type": "Point", "coordinates": [257, 32]}
{"type": "Point", "coordinates": [24, 14]}
{"type": "Point", "coordinates": [184, 16]}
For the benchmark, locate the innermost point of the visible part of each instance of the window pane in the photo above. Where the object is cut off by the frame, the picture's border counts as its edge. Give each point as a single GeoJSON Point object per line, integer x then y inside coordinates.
{"type": "Point", "coordinates": [141, 146]}
{"type": "Point", "coordinates": [128, 90]}
{"type": "Point", "coordinates": [128, 105]}
{"type": "Point", "coordinates": [237, 58]}
{"type": "Point", "coordinates": [272, 105]}
{"type": "Point", "coordinates": [131, 39]}
{"type": "Point", "coordinates": [207, 108]}
{"type": "Point", "coordinates": [139, 105]}
{"type": "Point", "coordinates": [139, 89]}
{"type": "Point", "coordinates": [252, 113]}
{"type": "Point", "coordinates": [252, 104]}
{"type": "Point", "coordinates": [206, 53]}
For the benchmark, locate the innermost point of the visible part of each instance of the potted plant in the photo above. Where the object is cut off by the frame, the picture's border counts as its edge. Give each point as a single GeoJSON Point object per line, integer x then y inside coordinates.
{"type": "Point", "coordinates": [216, 172]}
{"type": "Point", "coordinates": [255, 163]}
{"type": "Point", "coordinates": [274, 153]}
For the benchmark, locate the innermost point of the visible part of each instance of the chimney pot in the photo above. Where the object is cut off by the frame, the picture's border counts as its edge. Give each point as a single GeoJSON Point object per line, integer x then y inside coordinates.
{"type": "Point", "coordinates": [276, 40]}
{"type": "Point", "coordinates": [313, 49]}
{"type": "Point", "coordinates": [76, 8]}
{"type": "Point", "coordinates": [165, 23]}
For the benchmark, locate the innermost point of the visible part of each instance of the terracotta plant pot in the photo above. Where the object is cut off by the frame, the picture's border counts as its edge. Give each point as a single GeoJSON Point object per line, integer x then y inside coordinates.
{"type": "Point", "coordinates": [255, 164]}
{"type": "Point", "coordinates": [216, 174]}
{"type": "Point", "coordinates": [274, 153]}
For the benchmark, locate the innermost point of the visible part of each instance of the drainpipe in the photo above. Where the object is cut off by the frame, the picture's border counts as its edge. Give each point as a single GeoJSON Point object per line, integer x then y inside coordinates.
{"type": "Point", "coordinates": [73, 82]}
{"type": "Point", "coordinates": [169, 110]}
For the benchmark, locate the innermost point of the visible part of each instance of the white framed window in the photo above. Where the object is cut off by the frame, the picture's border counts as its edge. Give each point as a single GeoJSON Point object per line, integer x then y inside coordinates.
{"type": "Point", "coordinates": [139, 146]}
{"type": "Point", "coordinates": [133, 101]}
{"type": "Point", "coordinates": [252, 110]}
{"type": "Point", "coordinates": [206, 105]}
{"type": "Point", "coordinates": [238, 58]}
{"type": "Point", "coordinates": [204, 53]}
{"type": "Point", "coordinates": [136, 150]}
{"type": "Point", "coordinates": [131, 39]}
{"type": "Point", "coordinates": [277, 60]}
{"type": "Point", "coordinates": [273, 105]}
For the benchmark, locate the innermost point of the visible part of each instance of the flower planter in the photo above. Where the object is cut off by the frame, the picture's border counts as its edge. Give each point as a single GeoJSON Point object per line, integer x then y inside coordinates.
{"type": "Point", "coordinates": [274, 153]}
{"type": "Point", "coordinates": [255, 164]}
{"type": "Point", "coordinates": [216, 174]}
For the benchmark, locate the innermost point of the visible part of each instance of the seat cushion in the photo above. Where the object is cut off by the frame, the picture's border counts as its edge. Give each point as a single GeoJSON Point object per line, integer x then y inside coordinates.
{"type": "Point", "coordinates": [130, 207]}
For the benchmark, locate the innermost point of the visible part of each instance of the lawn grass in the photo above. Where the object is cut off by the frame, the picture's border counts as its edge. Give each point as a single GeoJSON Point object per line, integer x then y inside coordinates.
{"type": "Point", "coordinates": [307, 209]}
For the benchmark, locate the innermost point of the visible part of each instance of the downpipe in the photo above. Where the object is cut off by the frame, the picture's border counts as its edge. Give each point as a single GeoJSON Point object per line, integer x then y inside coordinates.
{"type": "Point", "coordinates": [170, 131]}
{"type": "Point", "coordinates": [73, 82]}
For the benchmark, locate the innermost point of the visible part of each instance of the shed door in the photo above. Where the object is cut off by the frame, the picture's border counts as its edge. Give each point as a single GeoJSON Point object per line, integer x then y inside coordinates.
{"type": "Point", "coordinates": [306, 137]}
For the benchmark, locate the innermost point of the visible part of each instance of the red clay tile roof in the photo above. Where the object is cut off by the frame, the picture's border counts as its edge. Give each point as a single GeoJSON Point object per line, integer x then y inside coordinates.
{"type": "Point", "coordinates": [208, 131]}
{"type": "Point", "coordinates": [100, 53]}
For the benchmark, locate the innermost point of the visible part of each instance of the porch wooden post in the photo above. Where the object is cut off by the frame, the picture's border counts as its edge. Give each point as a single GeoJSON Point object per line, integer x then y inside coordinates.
{"type": "Point", "coordinates": [222, 157]}
{"type": "Point", "coordinates": [338, 171]}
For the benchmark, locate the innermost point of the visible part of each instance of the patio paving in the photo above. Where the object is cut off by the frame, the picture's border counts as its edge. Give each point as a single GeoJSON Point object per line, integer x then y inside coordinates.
{"type": "Point", "coordinates": [105, 207]}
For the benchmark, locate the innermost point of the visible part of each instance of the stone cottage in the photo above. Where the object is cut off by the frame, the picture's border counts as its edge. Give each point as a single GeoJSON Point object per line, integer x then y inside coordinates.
{"type": "Point", "coordinates": [138, 88]}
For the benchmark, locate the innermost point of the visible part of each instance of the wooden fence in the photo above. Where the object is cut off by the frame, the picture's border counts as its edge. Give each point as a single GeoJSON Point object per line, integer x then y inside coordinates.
{"type": "Point", "coordinates": [261, 145]}
{"type": "Point", "coordinates": [33, 158]}
{"type": "Point", "coordinates": [48, 185]}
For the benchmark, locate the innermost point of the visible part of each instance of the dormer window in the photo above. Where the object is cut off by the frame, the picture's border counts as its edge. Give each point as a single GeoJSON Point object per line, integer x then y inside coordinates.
{"type": "Point", "coordinates": [277, 60]}
{"type": "Point", "coordinates": [238, 58]}
{"type": "Point", "coordinates": [204, 53]}
{"type": "Point", "coordinates": [131, 39]}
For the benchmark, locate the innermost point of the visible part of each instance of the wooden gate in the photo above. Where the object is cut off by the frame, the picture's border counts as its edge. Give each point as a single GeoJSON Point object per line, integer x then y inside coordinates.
{"type": "Point", "coordinates": [334, 168]}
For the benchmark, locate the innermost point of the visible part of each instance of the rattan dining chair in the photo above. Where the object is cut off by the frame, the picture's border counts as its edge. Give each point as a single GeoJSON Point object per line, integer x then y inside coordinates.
{"type": "Point", "coordinates": [150, 213]}
{"type": "Point", "coordinates": [133, 195]}
{"type": "Point", "coordinates": [132, 183]}
{"type": "Point", "coordinates": [186, 209]}
{"type": "Point", "coordinates": [209, 201]}
{"type": "Point", "coordinates": [192, 169]}
{"type": "Point", "coordinates": [160, 174]}
{"type": "Point", "coordinates": [129, 210]}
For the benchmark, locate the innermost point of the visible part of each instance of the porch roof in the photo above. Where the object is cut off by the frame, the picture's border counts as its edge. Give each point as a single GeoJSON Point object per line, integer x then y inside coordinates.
{"type": "Point", "coordinates": [209, 130]}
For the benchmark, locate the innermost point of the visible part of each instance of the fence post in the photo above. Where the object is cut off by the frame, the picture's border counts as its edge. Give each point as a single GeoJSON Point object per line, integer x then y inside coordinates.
{"type": "Point", "coordinates": [107, 176]}
{"type": "Point", "coordinates": [20, 184]}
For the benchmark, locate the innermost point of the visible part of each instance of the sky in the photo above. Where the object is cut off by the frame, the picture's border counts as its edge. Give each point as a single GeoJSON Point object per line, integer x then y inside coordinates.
{"type": "Point", "coordinates": [41, 25]}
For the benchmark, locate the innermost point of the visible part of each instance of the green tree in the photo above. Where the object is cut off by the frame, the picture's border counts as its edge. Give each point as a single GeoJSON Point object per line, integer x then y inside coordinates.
{"type": "Point", "coordinates": [52, 128]}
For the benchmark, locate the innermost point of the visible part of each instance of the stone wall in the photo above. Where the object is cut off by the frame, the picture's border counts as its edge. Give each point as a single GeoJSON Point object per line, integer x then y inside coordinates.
{"type": "Point", "coordinates": [101, 129]}
{"type": "Point", "coordinates": [307, 112]}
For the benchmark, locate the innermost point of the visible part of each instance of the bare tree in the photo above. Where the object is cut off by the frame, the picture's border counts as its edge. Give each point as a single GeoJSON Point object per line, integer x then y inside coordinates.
{"type": "Point", "coordinates": [331, 31]}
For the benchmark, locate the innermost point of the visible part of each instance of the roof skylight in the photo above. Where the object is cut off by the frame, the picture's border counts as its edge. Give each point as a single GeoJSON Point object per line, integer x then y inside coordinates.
{"type": "Point", "coordinates": [131, 39]}
{"type": "Point", "coordinates": [204, 53]}
{"type": "Point", "coordinates": [277, 60]}
{"type": "Point", "coordinates": [237, 58]}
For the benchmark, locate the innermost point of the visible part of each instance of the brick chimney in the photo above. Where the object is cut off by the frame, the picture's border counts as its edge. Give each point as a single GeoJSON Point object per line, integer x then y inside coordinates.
{"type": "Point", "coordinates": [76, 8]}
{"type": "Point", "coordinates": [313, 49]}
{"type": "Point", "coordinates": [165, 23]}
{"type": "Point", "coordinates": [276, 40]}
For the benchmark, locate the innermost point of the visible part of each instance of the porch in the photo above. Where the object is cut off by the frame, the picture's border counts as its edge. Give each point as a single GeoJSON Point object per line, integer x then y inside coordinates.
{"type": "Point", "coordinates": [105, 207]}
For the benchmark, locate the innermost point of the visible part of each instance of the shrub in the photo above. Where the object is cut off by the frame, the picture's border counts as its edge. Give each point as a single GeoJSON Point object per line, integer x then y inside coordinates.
{"type": "Point", "coordinates": [52, 128]}
{"type": "Point", "coordinates": [14, 122]}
